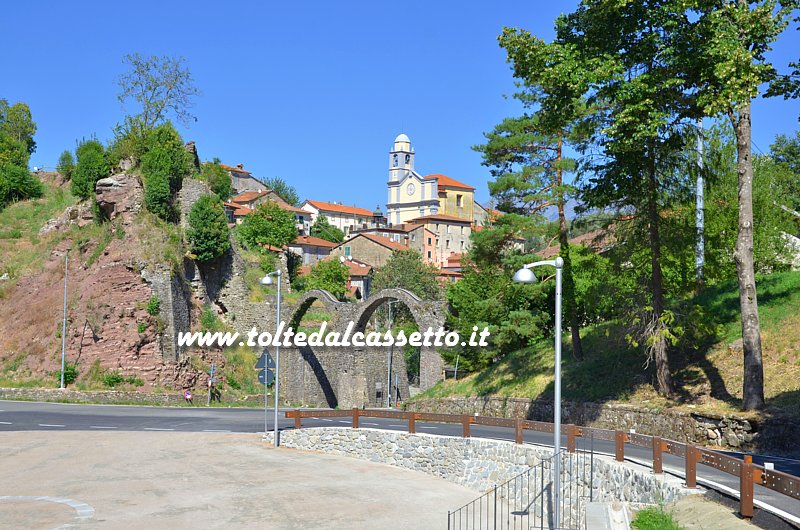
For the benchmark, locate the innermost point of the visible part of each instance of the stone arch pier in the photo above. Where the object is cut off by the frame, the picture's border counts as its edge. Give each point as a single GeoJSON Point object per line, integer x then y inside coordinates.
{"type": "Point", "coordinates": [350, 376]}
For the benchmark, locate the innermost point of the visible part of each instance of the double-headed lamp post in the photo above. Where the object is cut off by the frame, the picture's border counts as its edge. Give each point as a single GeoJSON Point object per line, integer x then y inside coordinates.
{"type": "Point", "coordinates": [525, 275]}
{"type": "Point", "coordinates": [267, 280]}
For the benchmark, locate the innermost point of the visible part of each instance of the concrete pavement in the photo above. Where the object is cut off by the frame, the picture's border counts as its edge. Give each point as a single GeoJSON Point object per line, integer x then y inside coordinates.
{"type": "Point", "coordinates": [207, 480]}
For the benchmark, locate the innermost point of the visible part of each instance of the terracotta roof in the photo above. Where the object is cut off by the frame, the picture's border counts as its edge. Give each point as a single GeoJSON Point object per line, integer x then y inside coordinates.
{"type": "Point", "coordinates": [242, 210]}
{"type": "Point", "coordinates": [455, 259]}
{"type": "Point", "coordinates": [314, 241]}
{"type": "Point", "coordinates": [440, 217]}
{"type": "Point", "coordinates": [273, 248]}
{"type": "Point", "coordinates": [447, 182]}
{"type": "Point", "coordinates": [248, 196]}
{"type": "Point", "coordinates": [444, 272]}
{"type": "Point", "coordinates": [289, 208]}
{"type": "Point", "coordinates": [357, 267]}
{"type": "Point", "coordinates": [385, 241]}
{"type": "Point", "coordinates": [339, 208]}
{"type": "Point", "coordinates": [236, 169]}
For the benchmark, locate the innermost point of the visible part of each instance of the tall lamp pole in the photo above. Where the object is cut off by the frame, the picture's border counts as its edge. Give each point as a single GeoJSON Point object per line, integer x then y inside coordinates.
{"type": "Point", "coordinates": [525, 275]}
{"type": "Point", "coordinates": [267, 280]}
{"type": "Point", "coordinates": [389, 358]}
{"type": "Point", "coordinates": [64, 323]}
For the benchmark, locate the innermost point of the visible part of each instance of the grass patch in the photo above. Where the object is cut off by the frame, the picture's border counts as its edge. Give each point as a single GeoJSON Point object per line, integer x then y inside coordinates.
{"type": "Point", "coordinates": [239, 373]}
{"type": "Point", "coordinates": [708, 374]}
{"type": "Point", "coordinates": [654, 519]}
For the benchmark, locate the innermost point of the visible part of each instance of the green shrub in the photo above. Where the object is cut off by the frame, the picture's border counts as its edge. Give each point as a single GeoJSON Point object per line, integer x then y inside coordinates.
{"type": "Point", "coordinates": [209, 321]}
{"type": "Point", "coordinates": [90, 168]}
{"type": "Point", "coordinates": [269, 224]}
{"type": "Point", "coordinates": [153, 306]}
{"type": "Point", "coordinates": [329, 275]}
{"type": "Point", "coordinates": [113, 378]}
{"type": "Point", "coordinates": [66, 164]}
{"type": "Point", "coordinates": [13, 152]}
{"type": "Point", "coordinates": [166, 156]}
{"type": "Point", "coordinates": [218, 179]}
{"type": "Point", "coordinates": [654, 519]}
{"type": "Point", "coordinates": [16, 184]}
{"type": "Point", "coordinates": [70, 374]}
{"type": "Point", "coordinates": [158, 197]}
{"type": "Point", "coordinates": [208, 229]}
{"type": "Point", "coordinates": [141, 327]}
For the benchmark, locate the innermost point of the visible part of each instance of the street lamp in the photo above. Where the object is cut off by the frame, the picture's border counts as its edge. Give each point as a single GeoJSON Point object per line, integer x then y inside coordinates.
{"type": "Point", "coordinates": [267, 280]}
{"type": "Point", "coordinates": [389, 357]}
{"type": "Point", "coordinates": [526, 275]}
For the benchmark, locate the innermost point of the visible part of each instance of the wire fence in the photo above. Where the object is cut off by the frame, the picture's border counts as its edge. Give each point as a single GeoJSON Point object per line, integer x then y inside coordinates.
{"type": "Point", "coordinates": [527, 501]}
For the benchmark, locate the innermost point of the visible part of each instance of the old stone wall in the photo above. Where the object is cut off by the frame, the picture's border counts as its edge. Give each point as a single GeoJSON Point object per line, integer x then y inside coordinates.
{"type": "Point", "coordinates": [765, 433]}
{"type": "Point", "coordinates": [479, 464]}
{"type": "Point", "coordinates": [175, 309]}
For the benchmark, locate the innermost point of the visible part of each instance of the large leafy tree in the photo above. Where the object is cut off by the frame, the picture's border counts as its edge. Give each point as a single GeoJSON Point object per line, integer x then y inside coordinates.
{"type": "Point", "coordinates": [329, 275]}
{"type": "Point", "coordinates": [17, 123]}
{"type": "Point", "coordinates": [407, 270]}
{"type": "Point", "coordinates": [217, 178]}
{"type": "Point", "coordinates": [323, 229]}
{"type": "Point", "coordinates": [160, 87]}
{"type": "Point", "coordinates": [528, 166]}
{"type": "Point", "coordinates": [208, 229]}
{"type": "Point", "coordinates": [269, 224]}
{"type": "Point", "coordinates": [284, 190]}
{"type": "Point", "coordinates": [723, 51]}
{"type": "Point", "coordinates": [16, 183]}
{"type": "Point", "coordinates": [607, 75]}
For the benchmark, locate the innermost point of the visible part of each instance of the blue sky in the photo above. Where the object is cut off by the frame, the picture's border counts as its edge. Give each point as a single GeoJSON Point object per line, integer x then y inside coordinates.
{"type": "Point", "coordinates": [313, 92]}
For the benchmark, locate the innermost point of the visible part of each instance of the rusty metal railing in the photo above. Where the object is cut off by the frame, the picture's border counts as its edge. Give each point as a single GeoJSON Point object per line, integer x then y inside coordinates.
{"type": "Point", "coordinates": [749, 474]}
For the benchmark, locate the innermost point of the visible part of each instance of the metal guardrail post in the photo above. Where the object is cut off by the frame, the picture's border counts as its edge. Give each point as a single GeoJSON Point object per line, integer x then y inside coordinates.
{"type": "Point", "coordinates": [297, 419]}
{"type": "Point", "coordinates": [746, 488]}
{"type": "Point", "coordinates": [355, 417]}
{"type": "Point", "coordinates": [518, 431]}
{"type": "Point", "coordinates": [495, 507]}
{"type": "Point", "coordinates": [572, 433]}
{"type": "Point", "coordinates": [466, 420]}
{"type": "Point", "coordinates": [412, 423]}
{"type": "Point", "coordinates": [657, 458]}
{"type": "Point", "coordinates": [619, 452]}
{"type": "Point", "coordinates": [691, 466]}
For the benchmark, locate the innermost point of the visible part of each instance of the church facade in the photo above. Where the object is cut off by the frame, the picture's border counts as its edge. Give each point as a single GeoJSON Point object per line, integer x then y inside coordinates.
{"type": "Point", "coordinates": [412, 195]}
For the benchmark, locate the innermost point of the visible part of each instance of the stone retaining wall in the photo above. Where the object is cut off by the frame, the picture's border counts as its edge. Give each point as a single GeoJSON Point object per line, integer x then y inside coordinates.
{"type": "Point", "coordinates": [110, 397]}
{"type": "Point", "coordinates": [480, 464]}
{"type": "Point", "coordinates": [767, 433]}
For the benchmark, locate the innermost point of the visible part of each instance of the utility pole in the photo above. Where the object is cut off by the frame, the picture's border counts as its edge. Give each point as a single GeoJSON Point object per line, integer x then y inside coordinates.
{"type": "Point", "coordinates": [700, 258]}
{"type": "Point", "coordinates": [64, 322]}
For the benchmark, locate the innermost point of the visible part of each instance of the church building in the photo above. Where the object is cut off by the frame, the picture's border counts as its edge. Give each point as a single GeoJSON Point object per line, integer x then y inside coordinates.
{"type": "Point", "coordinates": [412, 195]}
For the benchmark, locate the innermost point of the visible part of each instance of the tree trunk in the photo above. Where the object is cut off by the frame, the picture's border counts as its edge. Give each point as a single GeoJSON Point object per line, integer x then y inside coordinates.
{"type": "Point", "coordinates": [659, 347]}
{"type": "Point", "coordinates": [753, 391]}
{"type": "Point", "coordinates": [569, 282]}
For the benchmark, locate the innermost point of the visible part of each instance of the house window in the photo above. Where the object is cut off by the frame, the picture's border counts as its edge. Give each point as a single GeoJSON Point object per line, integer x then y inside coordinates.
{"type": "Point", "coordinates": [429, 254]}
{"type": "Point", "coordinates": [429, 242]}
{"type": "Point", "coordinates": [459, 200]}
{"type": "Point", "coordinates": [462, 230]}
{"type": "Point", "coordinates": [347, 252]}
{"type": "Point", "coordinates": [413, 237]}
{"type": "Point", "coordinates": [462, 245]}
{"type": "Point", "coordinates": [446, 243]}
{"type": "Point", "coordinates": [448, 228]}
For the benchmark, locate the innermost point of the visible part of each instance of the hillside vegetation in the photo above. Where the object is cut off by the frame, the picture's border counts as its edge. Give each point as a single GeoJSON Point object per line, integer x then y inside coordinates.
{"type": "Point", "coordinates": [709, 374]}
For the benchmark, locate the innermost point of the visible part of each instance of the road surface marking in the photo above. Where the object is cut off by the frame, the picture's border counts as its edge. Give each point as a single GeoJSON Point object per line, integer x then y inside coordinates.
{"type": "Point", "coordinates": [6, 423]}
{"type": "Point", "coordinates": [49, 425]}
{"type": "Point", "coordinates": [326, 419]}
{"type": "Point", "coordinates": [156, 429]}
{"type": "Point", "coordinates": [393, 425]}
{"type": "Point", "coordinates": [365, 423]}
{"type": "Point", "coordinates": [101, 427]}
{"type": "Point", "coordinates": [215, 430]}
{"type": "Point", "coordinates": [343, 421]}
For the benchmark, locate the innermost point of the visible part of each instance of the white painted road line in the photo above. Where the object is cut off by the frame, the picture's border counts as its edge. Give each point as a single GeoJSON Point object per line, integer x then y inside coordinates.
{"type": "Point", "coordinates": [393, 425]}
{"type": "Point", "coordinates": [342, 421]}
{"type": "Point", "coordinates": [6, 423]}
{"type": "Point", "coordinates": [375, 424]}
{"type": "Point", "coordinates": [215, 430]}
{"type": "Point", "coordinates": [101, 427]}
{"type": "Point", "coordinates": [49, 425]}
{"type": "Point", "coordinates": [326, 419]}
{"type": "Point", "coordinates": [156, 429]}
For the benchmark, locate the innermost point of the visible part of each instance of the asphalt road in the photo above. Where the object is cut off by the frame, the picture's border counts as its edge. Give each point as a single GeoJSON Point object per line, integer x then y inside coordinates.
{"type": "Point", "coordinates": [32, 416]}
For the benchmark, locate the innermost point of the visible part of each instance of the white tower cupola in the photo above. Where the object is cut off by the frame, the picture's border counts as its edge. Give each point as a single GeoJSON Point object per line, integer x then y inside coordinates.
{"type": "Point", "coordinates": [401, 158]}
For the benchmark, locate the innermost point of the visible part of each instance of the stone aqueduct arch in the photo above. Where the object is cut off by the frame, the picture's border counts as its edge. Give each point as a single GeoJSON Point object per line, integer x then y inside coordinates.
{"type": "Point", "coordinates": [337, 368]}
